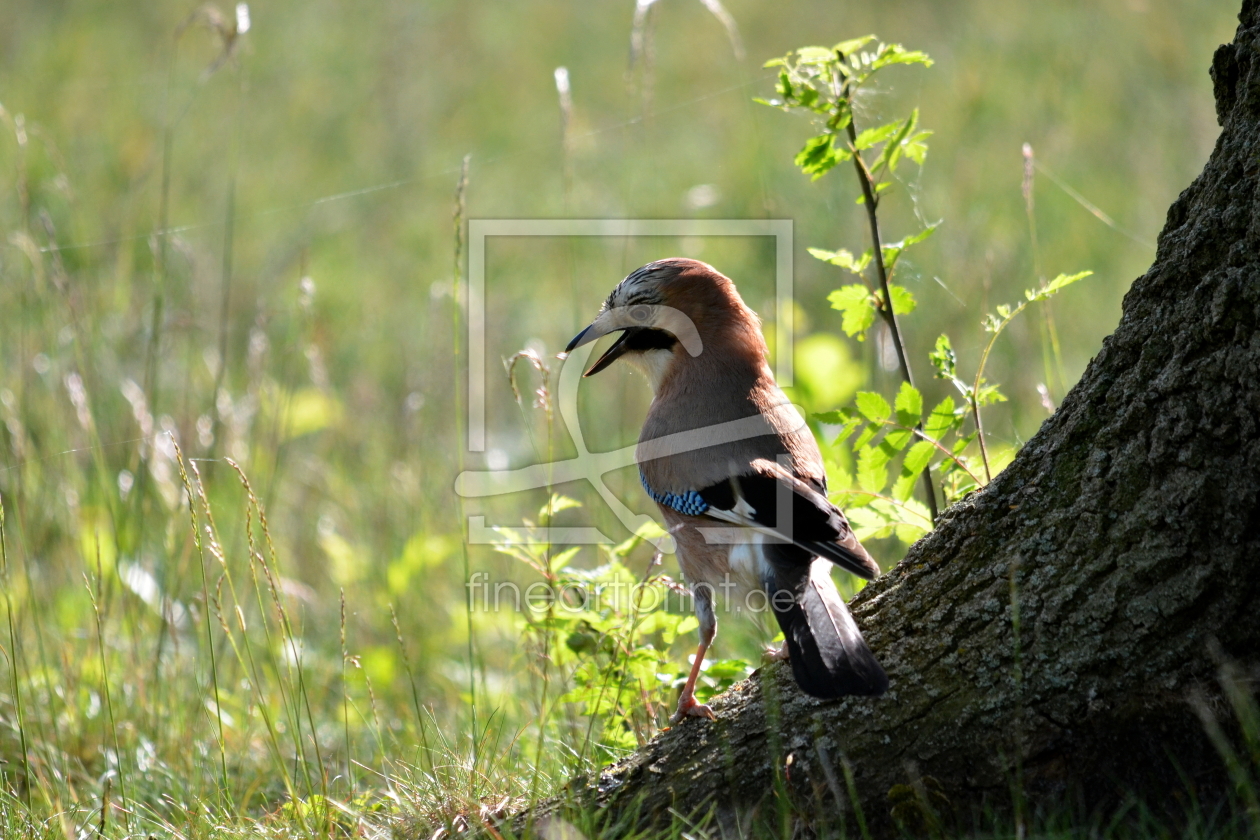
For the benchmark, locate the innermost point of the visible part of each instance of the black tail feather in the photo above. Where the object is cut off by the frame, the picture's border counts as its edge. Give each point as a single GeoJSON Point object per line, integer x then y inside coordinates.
{"type": "Point", "coordinates": [828, 654]}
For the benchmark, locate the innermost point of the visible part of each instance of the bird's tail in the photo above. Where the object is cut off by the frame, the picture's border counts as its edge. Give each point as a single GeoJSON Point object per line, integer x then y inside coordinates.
{"type": "Point", "coordinates": [828, 654]}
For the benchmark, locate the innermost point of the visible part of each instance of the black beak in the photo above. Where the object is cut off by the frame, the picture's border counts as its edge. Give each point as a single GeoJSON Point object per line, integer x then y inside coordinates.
{"type": "Point", "coordinates": [613, 353]}
{"type": "Point", "coordinates": [576, 340]}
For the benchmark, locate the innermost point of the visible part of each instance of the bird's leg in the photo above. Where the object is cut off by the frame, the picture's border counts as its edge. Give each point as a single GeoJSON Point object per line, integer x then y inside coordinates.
{"type": "Point", "coordinates": [687, 705]}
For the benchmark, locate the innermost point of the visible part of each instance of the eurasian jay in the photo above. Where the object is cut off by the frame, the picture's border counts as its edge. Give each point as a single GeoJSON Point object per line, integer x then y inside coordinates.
{"type": "Point", "coordinates": [685, 326]}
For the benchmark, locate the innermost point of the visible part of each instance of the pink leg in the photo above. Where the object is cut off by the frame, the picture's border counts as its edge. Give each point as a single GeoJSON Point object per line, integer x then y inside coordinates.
{"type": "Point", "coordinates": [687, 705]}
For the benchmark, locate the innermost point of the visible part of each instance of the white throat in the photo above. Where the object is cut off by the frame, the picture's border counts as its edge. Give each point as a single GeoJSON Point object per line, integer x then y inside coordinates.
{"type": "Point", "coordinates": [653, 364]}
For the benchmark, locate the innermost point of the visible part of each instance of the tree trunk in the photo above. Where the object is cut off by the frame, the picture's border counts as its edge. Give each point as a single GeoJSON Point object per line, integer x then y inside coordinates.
{"type": "Point", "coordinates": [1046, 639]}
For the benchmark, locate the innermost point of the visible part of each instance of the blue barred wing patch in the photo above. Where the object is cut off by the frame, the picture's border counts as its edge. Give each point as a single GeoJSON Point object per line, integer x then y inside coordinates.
{"type": "Point", "coordinates": [688, 504]}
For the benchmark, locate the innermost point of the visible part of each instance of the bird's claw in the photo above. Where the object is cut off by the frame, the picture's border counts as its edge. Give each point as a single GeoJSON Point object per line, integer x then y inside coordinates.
{"type": "Point", "coordinates": [690, 708]}
{"type": "Point", "coordinates": [775, 654]}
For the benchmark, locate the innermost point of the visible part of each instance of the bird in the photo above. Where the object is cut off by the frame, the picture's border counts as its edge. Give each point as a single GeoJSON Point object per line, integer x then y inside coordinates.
{"type": "Point", "coordinates": [736, 473]}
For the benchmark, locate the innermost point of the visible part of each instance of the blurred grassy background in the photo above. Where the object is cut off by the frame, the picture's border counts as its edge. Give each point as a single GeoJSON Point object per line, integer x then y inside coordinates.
{"type": "Point", "coordinates": [301, 320]}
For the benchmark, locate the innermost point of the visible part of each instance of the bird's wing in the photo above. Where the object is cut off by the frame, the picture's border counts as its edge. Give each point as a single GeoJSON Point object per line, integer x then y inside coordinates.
{"type": "Point", "coordinates": [754, 499]}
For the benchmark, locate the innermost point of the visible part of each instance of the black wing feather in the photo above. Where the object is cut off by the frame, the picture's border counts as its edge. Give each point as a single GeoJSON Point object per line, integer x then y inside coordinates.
{"type": "Point", "coordinates": [815, 524]}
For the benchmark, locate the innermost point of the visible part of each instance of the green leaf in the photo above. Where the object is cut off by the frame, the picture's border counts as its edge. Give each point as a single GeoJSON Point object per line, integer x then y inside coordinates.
{"type": "Point", "coordinates": [872, 471]}
{"type": "Point", "coordinates": [873, 406]}
{"type": "Point", "coordinates": [558, 503]}
{"type": "Point", "coordinates": [843, 258]}
{"type": "Point", "coordinates": [942, 420]}
{"type": "Point", "coordinates": [989, 394]}
{"type": "Point", "coordinates": [962, 443]}
{"type": "Point", "coordinates": [868, 434]}
{"type": "Point", "coordinates": [887, 156]}
{"type": "Point", "coordinates": [870, 523]}
{"type": "Point", "coordinates": [728, 669]}
{"type": "Point", "coordinates": [903, 301]}
{"type": "Point", "coordinates": [819, 155]}
{"type": "Point", "coordinates": [915, 462]}
{"type": "Point", "coordinates": [814, 55]}
{"type": "Point", "coordinates": [1056, 285]}
{"type": "Point", "coordinates": [858, 307]}
{"type": "Point", "coordinates": [943, 359]}
{"type": "Point", "coordinates": [559, 561]}
{"type": "Point", "coordinates": [914, 523]}
{"type": "Point", "coordinates": [871, 136]}
{"type": "Point", "coordinates": [893, 250]}
{"type": "Point", "coordinates": [848, 48]}
{"type": "Point", "coordinates": [896, 440]}
{"type": "Point", "coordinates": [909, 405]}
{"type": "Point", "coordinates": [785, 86]}
{"type": "Point", "coordinates": [915, 148]}
{"type": "Point", "coordinates": [897, 54]}
{"type": "Point", "coordinates": [831, 418]}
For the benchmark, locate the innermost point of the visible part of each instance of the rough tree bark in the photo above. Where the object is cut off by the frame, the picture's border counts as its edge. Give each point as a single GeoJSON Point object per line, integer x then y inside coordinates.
{"type": "Point", "coordinates": [1127, 532]}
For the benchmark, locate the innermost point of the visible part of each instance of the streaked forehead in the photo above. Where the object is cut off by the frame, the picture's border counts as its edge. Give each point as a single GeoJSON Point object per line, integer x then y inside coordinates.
{"type": "Point", "coordinates": [640, 286]}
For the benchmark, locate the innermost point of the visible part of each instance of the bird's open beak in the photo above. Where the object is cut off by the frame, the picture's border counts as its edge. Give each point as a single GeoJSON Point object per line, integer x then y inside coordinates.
{"type": "Point", "coordinates": [596, 331]}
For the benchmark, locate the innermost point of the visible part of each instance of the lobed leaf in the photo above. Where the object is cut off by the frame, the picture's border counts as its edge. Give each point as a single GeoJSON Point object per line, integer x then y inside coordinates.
{"type": "Point", "coordinates": [903, 302]}
{"type": "Point", "coordinates": [858, 306]}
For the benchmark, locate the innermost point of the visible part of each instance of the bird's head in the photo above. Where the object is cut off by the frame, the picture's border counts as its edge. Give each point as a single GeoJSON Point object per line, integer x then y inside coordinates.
{"type": "Point", "coordinates": [672, 310]}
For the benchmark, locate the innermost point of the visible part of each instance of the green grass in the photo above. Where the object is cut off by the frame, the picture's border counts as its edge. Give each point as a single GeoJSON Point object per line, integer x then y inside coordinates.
{"type": "Point", "coordinates": [256, 264]}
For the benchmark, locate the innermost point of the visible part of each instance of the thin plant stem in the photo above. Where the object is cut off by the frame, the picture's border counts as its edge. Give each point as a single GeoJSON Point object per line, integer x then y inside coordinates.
{"type": "Point", "coordinates": [288, 635]}
{"type": "Point", "coordinates": [975, 385]}
{"type": "Point", "coordinates": [13, 665]}
{"type": "Point", "coordinates": [109, 702]}
{"type": "Point", "coordinates": [1050, 348]}
{"type": "Point", "coordinates": [461, 189]}
{"type": "Point", "coordinates": [205, 593]}
{"type": "Point", "coordinates": [345, 697]}
{"type": "Point", "coordinates": [870, 200]}
{"type": "Point", "coordinates": [415, 692]}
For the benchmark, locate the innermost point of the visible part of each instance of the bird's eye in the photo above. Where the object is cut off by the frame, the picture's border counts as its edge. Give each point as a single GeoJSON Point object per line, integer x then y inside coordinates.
{"type": "Point", "coordinates": [640, 313]}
